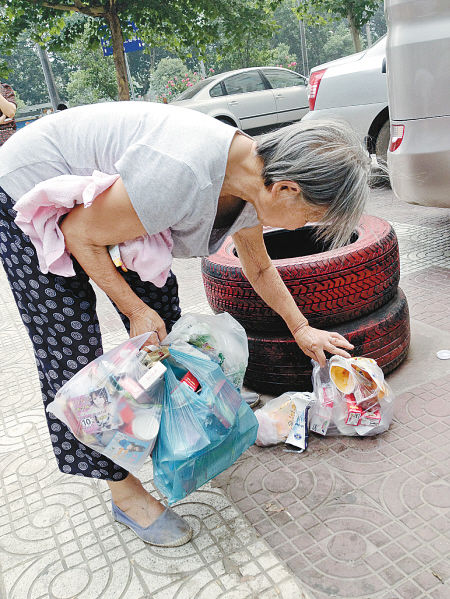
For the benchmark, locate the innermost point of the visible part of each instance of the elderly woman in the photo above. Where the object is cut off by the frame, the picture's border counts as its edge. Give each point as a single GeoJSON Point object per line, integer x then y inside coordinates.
{"type": "Point", "coordinates": [179, 171]}
{"type": "Point", "coordinates": [8, 106]}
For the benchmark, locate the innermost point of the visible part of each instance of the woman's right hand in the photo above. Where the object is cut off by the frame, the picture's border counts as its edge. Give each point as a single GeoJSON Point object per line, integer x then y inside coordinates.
{"type": "Point", "coordinates": [314, 343]}
{"type": "Point", "coordinates": [145, 319]}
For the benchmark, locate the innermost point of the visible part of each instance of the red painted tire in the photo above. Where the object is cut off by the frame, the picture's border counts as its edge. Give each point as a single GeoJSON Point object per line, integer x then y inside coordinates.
{"type": "Point", "coordinates": [331, 286]}
{"type": "Point", "coordinates": [276, 364]}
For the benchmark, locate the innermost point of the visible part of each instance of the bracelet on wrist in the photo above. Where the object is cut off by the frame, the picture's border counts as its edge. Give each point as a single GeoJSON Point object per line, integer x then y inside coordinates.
{"type": "Point", "coordinates": [299, 327]}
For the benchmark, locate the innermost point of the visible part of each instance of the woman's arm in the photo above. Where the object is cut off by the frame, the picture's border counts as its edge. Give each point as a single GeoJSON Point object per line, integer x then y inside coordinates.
{"type": "Point", "coordinates": [8, 108]}
{"type": "Point", "coordinates": [265, 280]}
{"type": "Point", "coordinates": [87, 232]}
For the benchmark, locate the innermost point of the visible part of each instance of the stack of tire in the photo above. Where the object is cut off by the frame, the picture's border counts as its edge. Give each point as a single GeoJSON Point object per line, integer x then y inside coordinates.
{"type": "Point", "coordinates": [352, 290]}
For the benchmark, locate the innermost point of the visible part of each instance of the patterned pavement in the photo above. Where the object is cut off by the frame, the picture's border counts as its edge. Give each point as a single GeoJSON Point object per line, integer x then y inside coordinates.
{"type": "Point", "coordinates": [351, 518]}
{"type": "Point", "coordinates": [429, 310]}
{"type": "Point", "coordinates": [360, 517]}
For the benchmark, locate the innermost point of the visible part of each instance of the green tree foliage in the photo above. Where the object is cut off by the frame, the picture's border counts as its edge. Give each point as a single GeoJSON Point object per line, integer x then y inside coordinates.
{"type": "Point", "coordinates": [339, 43]}
{"type": "Point", "coordinates": [378, 25]}
{"type": "Point", "coordinates": [168, 69]}
{"type": "Point", "coordinates": [288, 32]}
{"type": "Point", "coordinates": [171, 78]}
{"type": "Point", "coordinates": [252, 53]}
{"type": "Point", "coordinates": [358, 13]}
{"type": "Point", "coordinates": [24, 73]}
{"type": "Point", "coordinates": [282, 56]}
{"type": "Point", "coordinates": [84, 89]}
{"type": "Point", "coordinates": [91, 75]}
{"type": "Point", "coordinates": [174, 24]}
{"type": "Point", "coordinates": [142, 64]}
{"type": "Point", "coordinates": [325, 41]}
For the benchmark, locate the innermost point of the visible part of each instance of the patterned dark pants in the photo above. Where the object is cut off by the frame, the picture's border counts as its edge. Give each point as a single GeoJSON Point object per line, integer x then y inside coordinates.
{"type": "Point", "coordinates": [60, 316]}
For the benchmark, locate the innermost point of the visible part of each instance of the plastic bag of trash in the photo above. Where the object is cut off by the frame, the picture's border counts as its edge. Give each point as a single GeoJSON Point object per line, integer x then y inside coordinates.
{"type": "Point", "coordinates": [113, 405]}
{"type": "Point", "coordinates": [205, 425]}
{"type": "Point", "coordinates": [277, 417]}
{"type": "Point", "coordinates": [351, 398]}
{"type": "Point", "coordinates": [219, 336]}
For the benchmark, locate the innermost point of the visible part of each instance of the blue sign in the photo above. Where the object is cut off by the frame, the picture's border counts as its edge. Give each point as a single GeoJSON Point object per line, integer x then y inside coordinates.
{"type": "Point", "coordinates": [129, 45]}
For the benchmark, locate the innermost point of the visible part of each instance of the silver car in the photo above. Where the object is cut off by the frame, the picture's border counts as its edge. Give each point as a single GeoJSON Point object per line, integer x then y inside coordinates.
{"type": "Point", "coordinates": [250, 98]}
{"type": "Point", "coordinates": [353, 88]}
{"type": "Point", "coordinates": [418, 76]}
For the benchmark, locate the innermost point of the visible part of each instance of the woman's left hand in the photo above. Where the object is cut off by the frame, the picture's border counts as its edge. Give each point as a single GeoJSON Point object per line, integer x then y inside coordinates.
{"type": "Point", "coordinates": [314, 342]}
{"type": "Point", "coordinates": [145, 319]}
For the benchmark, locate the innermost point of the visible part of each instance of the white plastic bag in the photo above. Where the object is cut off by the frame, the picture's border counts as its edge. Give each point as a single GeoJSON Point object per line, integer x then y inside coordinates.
{"type": "Point", "coordinates": [113, 405]}
{"type": "Point", "coordinates": [276, 418]}
{"type": "Point", "coordinates": [218, 336]}
{"type": "Point", "coordinates": [351, 398]}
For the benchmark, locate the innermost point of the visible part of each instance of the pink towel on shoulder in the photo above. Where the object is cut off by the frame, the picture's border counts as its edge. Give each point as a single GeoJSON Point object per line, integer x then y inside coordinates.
{"type": "Point", "coordinates": [39, 211]}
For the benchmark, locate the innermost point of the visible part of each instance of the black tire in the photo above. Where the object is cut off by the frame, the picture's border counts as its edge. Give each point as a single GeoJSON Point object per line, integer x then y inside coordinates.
{"type": "Point", "coordinates": [380, 175]}
{"type": "Point", "coordinates": [382, 142]}
{"type": "Point", "coordinates": [276, 364]}
{"type": "Point", "coordinates": [227, 120]}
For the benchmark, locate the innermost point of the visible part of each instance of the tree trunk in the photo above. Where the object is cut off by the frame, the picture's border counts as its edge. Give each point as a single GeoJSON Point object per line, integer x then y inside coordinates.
{"type": "Point", "coordinates": [118, 53]}
{"type": "Point", "coordinates": [247, 52]}
{"type": "Point", "coordinates": [355, 32]}
{"type": "Point", "coordinates": [152, 59]}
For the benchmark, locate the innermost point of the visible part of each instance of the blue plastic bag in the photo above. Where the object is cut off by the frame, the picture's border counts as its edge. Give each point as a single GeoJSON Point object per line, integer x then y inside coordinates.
{"type": "Point", "coordinates": [201, 434]}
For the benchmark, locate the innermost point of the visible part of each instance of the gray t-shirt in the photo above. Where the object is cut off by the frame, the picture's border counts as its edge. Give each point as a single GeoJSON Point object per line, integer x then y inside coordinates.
{"type": "Point", "coordinates": [172, 162]}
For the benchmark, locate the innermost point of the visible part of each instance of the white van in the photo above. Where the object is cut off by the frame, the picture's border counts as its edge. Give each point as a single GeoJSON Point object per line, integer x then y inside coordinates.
{"type": "Point", "coordinates": [418, 77]}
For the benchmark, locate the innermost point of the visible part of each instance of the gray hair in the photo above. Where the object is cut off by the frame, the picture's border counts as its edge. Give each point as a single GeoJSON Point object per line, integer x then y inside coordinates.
{"type": "Point", "coordinates": [331, 166]}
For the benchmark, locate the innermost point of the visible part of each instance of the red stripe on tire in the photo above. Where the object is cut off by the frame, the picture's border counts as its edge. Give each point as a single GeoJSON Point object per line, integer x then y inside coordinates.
{"type": "Point", "coordinates": [336, 285]}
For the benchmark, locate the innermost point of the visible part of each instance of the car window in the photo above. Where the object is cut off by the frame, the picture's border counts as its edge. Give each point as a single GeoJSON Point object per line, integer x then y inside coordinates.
{"type": "Point", "coordinates": [283, 78]}
{"type": "Point", "coordinates": [244, 82]}
{"type": "Point", "coordinates": [191, 91]}
{"type": "Point", "coordinates": [216, 91]}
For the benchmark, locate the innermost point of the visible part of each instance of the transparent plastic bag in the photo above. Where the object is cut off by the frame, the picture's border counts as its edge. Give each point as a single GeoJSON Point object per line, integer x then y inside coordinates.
{"type": "Point", "coordinates": [276, 418]}
{"type": "Point", "coordinates": [113, 405]}
{"type": "Point", "coordinates": [219, 336]}
{"type": "Point", "coordinates": [205, 425]}
{"type": "Point", "coordinates": [351, 398]}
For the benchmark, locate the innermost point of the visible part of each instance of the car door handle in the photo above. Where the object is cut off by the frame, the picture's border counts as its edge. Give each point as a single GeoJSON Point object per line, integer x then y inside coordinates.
{"type": "Point", "coordinates": [383, 65]}
{"type": "Point", "coordinates": [279, 96]}
{"type": "Point", "coordinates": [233, 102]}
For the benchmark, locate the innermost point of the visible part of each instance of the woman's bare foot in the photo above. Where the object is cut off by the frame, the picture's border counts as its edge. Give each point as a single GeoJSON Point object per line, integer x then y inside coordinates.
{"type": "Point", "coordinates": [130, 496]}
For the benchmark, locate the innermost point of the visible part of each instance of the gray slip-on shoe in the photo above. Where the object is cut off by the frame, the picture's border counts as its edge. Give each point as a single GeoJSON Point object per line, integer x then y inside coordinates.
{"type": "Point", "coordinates": [251, 399]}
{"type": "Point", "coordinates": [168, 530]}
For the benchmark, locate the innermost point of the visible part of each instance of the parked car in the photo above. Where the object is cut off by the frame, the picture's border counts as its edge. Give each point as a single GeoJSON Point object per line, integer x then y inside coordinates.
{"type": "Point", "coordinates": [418, 77]}
{"type": "Point", "coordinates": [250, 98]}
{"type": "Point", "coordinates": [354, 89]}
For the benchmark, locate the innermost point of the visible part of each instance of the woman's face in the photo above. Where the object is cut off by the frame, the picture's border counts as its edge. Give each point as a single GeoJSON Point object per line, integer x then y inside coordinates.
{"type": "Point", "coordinates": [98, 399]}
{"type": "Point", "coordinates": [282, 205]}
